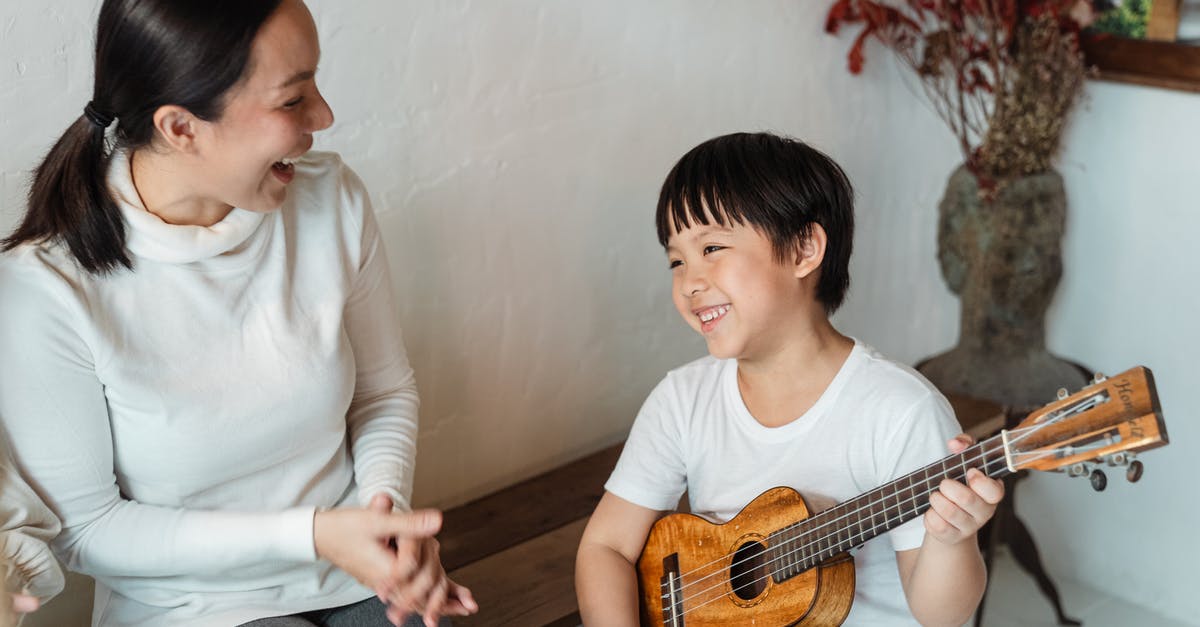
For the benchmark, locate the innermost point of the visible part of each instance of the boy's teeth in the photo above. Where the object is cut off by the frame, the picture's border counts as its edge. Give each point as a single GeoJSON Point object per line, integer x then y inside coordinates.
{"type": "Point", "coordinates": [714, 313]}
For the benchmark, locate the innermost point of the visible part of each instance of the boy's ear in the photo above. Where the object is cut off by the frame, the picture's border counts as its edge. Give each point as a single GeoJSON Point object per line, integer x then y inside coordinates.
{"type": "Point", "coordinates": [177, 127]}
{"type": "Point", "coordinates": [810, 251]}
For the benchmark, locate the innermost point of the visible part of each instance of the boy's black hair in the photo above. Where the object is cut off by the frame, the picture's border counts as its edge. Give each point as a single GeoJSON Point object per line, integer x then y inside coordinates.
{"type": "Point", "coordinates": [778, 185]}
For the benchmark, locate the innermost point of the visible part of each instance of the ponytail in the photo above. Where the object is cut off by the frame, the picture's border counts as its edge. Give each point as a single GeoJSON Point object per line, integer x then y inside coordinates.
{"type": "Point", "coordinates": [149, 53]}
{"type": "Point", "coordinates": [70, 202]}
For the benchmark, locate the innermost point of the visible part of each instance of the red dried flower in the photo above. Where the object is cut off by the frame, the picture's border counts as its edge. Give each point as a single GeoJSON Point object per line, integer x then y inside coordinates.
{"type": "Point", "coordinates": [1002, 73]}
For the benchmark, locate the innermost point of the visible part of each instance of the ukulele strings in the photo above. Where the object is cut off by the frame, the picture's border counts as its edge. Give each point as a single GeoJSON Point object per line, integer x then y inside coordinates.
{"type": "Point", "coordinates": [900, 514]}
{"type": "Point", "coordinates": [849, 513]}
{"type": "Point", "coordinates": [1025, 432]}
{"type": "Point", "coordinates": [770, 574]}
{"type": "Point", "coordinates": [979, 448]}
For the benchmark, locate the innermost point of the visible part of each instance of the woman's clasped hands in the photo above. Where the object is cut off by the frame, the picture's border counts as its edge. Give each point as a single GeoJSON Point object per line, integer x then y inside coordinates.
{"type": "Point", "coordinates": [396, 555]}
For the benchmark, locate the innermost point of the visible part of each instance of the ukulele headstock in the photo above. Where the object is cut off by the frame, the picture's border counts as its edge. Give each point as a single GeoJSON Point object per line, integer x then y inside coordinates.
{"type": "Point", "coordinates": [1107, 422]}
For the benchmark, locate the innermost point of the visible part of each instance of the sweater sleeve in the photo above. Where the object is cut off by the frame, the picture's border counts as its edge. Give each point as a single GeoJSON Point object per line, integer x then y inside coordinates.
{"type": "Point", "coordinates": [382, 418]}
{"type": "Point", "coordinates": [26, 526]}
{"type": "Point", "coordinates": [53, 408]}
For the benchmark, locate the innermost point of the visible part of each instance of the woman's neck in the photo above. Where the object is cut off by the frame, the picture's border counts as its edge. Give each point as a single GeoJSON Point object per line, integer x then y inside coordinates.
{"type": "Point", "coordinates": [164, 187]}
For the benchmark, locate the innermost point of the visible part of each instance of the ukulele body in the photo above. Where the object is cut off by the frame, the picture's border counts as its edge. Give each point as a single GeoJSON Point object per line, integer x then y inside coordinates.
{"type": "Point", "coordinates": [739, 588]}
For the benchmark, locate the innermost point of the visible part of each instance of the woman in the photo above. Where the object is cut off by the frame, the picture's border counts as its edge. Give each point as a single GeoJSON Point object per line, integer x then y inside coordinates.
{"type": "Point", "coordinates": [213, 394]}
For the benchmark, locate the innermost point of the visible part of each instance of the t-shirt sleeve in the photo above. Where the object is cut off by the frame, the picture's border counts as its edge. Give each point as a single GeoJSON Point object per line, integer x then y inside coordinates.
{"type": "Point", "coordinates": [652, 471]}
{"type": "Point", "coordinates": [919, 439]}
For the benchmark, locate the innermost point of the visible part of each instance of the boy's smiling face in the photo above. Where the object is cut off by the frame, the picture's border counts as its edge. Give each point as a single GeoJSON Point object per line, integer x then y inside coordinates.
{"type": "Point", "coordinates": [730, 287]}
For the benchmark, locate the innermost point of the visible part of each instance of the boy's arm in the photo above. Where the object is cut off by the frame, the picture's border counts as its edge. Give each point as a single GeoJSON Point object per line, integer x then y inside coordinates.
{"type": "Point", "coordinates": [944, 579]}
{"type": "Point", "coordinates": [605, 578]}
{"type": "Point", "coordinates": [943, 583]}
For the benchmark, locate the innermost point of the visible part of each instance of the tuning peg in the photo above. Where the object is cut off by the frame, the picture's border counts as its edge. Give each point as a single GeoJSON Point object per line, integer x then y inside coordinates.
{"type": "Point", "coordinates": [1099, 480]}
{"type": "Point", "coordinates": [1134, 472]}
{"type": "Point", "coordinates": [1063, 393]}
{"type": "Point", "coordinates": [1099, 378]}
{"type": "Point", "coordinates": [1078, 469]}
{"type": "Point", "coordinates": [1120, 458]}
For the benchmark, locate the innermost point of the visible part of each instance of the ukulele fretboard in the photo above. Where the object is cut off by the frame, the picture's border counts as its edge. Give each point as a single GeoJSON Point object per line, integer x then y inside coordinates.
{"type": "Point", "coordinates": [805, 544]}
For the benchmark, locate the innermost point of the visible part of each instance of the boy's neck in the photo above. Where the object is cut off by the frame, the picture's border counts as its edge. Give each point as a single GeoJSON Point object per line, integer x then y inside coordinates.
{"type": "Point", "coordinates": [781, 386]}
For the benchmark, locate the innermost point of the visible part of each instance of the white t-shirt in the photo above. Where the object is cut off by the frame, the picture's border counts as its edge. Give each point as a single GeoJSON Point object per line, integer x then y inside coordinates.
{"type": "Point", "coordinates": [185, 419]}
{"type": "Point", "coordinates": [876, 422]}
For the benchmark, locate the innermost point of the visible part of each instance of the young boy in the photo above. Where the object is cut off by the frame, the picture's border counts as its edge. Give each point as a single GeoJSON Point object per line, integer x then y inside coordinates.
{"type": "Point", "coordinates": [758, 231]}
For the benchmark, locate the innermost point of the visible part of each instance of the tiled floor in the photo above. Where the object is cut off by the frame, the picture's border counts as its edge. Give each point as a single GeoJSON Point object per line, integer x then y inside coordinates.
{"type": "Point", "coordinates": [1014, 600]}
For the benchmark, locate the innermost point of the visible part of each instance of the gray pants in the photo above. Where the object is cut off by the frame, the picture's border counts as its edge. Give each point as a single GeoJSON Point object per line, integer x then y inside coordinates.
{"type": "Point", "coordinates": [368, 613]}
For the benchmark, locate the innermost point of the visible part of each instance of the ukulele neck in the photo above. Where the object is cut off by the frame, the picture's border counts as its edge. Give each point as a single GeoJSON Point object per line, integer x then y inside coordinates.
{"type": "Point", "coordinates": [807, 543]}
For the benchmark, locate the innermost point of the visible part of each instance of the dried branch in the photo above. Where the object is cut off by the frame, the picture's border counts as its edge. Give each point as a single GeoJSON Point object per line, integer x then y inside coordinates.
{"type": "Point", "coordinates": [1002, 74]}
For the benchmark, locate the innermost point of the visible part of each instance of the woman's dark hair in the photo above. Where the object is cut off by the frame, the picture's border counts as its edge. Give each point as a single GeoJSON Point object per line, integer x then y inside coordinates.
{"type": "Point", "coordinates": [778, 185]}
{"type": "Point", "coordinates": [149, 53]}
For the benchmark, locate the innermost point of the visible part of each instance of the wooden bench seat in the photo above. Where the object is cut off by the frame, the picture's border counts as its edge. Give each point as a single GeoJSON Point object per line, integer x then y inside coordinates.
{"type": "Point", "coordinates": [515, 549]}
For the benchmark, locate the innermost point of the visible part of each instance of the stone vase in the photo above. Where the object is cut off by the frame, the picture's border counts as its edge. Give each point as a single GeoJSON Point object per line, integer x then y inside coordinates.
{"type": "Point", "coordinates": [1003, 258]}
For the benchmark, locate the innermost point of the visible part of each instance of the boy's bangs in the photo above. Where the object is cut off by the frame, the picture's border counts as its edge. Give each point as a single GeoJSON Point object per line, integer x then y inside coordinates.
{"type": "Point", "coordinates": [695, 206]}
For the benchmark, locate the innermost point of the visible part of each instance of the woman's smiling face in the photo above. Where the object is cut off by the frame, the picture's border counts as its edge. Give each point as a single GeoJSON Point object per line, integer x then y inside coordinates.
{"type": "Point", "coordinates": [269, 116]}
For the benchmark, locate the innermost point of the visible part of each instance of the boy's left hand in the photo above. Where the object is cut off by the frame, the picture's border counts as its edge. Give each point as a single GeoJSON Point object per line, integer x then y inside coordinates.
{"type": "Point", "coordinates": [958, 510]}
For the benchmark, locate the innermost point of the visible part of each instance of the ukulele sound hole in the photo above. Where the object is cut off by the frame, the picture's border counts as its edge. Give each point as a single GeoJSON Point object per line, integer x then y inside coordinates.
{"type": "Point", "coordinates": [747, 574]}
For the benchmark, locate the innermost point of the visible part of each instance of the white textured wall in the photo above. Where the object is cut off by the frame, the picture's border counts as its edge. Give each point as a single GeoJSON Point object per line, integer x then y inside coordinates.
{"type": "Point", "coordinates": [514, 150]}
{"type": "Point", "coordinates": [1131, 295]}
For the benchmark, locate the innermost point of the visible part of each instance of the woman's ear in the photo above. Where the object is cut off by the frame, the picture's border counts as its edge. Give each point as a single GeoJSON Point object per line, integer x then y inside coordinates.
{"type": "Point", "coordinates": [177, 127]}
{"type": "Point", "coordinates": [810, 251]}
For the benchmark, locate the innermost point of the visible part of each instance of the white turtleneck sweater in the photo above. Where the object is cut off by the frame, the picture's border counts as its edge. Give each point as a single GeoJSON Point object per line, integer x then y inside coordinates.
{"type": "Point", "coordinates": [26, 525]}
{"type": "Point", "coordinates": [185, 419]}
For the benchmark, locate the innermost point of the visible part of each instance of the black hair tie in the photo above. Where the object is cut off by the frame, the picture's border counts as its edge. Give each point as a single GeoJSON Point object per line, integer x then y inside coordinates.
{"type": "Point", "coordinates": [97, 117]}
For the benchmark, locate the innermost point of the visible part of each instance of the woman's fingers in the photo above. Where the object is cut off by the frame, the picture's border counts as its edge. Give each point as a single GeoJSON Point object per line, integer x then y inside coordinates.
{"type": "Point", "coordinates": [435, 606]}
{"type": "Point", "coordinates": [420, 523]}
{"type": "Point", "coordinates": [462, 602]}
{"type": "Point", "coordinates": [358, 542]}
{"type": "Point", "coordinates": [417, 589]}
{"type": "Point", "coordinates": [381, 503]}
{"type": "Point", "coordinates": [397, 615]}
{"type": "Point", "coordinates": [25, 603]}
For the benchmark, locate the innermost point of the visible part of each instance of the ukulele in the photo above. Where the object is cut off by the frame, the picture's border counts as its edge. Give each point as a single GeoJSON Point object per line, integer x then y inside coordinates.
{"type": "Point", "coordinates": [775, 564]}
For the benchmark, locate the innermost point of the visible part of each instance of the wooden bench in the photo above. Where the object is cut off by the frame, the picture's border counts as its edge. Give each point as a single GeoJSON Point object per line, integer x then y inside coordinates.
{"type": "Point", "coordinates": [515, 549]}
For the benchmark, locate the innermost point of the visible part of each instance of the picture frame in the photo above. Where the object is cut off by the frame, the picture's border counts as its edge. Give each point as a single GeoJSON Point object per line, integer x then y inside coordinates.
{"type": "Point", "coordinates": [1157, 61]}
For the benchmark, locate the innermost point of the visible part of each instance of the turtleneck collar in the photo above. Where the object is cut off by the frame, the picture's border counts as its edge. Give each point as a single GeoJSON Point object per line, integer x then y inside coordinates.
{"type": "Point", "coordinates": [147, 236]}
